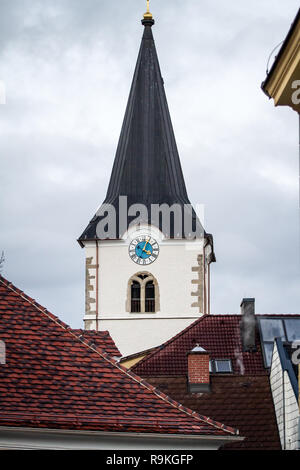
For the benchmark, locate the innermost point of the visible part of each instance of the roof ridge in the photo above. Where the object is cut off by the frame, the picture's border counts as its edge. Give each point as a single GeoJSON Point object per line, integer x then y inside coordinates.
{"type": "Point", "coordinates": [163, 396]}
{"type": "Point", "coordinates": [43, 310]}
{"type": "Point", "coordinates": [166, 343]}
{"type": "Point", "coordinates": [115, 363]}
{"type": "Point", "coordinates": [158, 349]}
{"type": "Point", "coordinates": [91, 331]}
{"type": "Point", "coordinates": [133, 355]}
{"type": "Point", "coordinates": [174, 403]}
{"type": "Point", "coordinates": [91, 335]}
{"type": "Point", "coordinates": [33, 302]}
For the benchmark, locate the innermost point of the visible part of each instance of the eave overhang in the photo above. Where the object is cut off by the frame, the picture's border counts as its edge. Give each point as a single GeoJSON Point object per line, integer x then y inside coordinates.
{"type": "Point", "coordinates": [280, 83]}
{"type": "Point", "coordinates": [63, 439]}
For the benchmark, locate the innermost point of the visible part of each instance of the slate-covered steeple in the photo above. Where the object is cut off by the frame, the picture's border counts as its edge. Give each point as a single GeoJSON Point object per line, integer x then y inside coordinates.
{"type": "Point", "coordinates": [147, 168]}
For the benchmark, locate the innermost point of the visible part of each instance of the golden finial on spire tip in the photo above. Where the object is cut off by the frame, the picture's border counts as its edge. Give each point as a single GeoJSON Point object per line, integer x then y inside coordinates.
{"type": "Point", "coordinates": [148, 15]}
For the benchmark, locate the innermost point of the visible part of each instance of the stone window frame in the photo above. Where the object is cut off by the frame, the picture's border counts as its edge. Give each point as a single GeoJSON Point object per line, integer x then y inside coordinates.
{"type": "Point", "coordinates": [143, 282]}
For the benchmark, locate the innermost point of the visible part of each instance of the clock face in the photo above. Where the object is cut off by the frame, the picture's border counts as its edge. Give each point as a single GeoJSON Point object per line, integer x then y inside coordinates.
{"type": "Point", "coordinates": [143, 250]}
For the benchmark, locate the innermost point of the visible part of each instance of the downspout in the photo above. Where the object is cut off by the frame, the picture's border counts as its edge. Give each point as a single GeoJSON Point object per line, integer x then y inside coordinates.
{"type": "Point", "coordinates": [206, 291]}
{"type": "Point", "coordinates": [208, 288]}
{"type": "Point", "coordinates": [97, 288]}
{"type": "Point", "coordinates": [298, 446]}
{"type": "Point", "coordinates": [283, 411]}
{"type": "Point", "coordinates": [299, 398]}
{"type": "Point", "coordinates": [299, 173]}
{"type": "Point", "coordinates": [204, 280]}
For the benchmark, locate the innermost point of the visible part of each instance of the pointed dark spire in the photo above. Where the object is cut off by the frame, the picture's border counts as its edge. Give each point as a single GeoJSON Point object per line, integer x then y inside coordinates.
{"type": "Point", "coordinates": [147, 168]}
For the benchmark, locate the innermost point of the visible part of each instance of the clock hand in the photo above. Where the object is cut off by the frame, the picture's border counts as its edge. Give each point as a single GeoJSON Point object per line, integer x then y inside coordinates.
{"type": "Point", "coordinates": [146, 245]}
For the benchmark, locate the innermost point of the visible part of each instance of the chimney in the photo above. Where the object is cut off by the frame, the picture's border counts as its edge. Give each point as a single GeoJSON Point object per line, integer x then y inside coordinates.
{"type": "Point", "coordinates": [198, 370]}
{"type": "Point", "coordinates": [248, 324]}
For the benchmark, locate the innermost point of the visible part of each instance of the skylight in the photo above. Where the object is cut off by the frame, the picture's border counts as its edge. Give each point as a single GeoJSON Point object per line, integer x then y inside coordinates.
{"type": "Point", "coordinates": [220, 366]}
{"type": "Point", "coordinates": [288, 329]}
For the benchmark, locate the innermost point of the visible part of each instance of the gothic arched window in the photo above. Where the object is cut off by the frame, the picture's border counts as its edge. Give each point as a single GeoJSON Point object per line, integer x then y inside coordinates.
{"type": "Point", "coordinates": [142, 294]}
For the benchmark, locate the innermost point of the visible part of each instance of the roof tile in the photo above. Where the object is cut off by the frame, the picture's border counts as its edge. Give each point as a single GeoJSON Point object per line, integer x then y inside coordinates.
{"type": "Point", "coordinates": [219, 335]}
{"type": "Point", "coordinates": [51, 374]}
{"type": "Point", "coordinates": [242, 399]}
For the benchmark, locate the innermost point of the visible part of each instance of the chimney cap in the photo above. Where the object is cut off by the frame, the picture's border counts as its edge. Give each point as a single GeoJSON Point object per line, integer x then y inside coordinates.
{"type": "Point", "coordinates": [247, 300]}
{"type": "Point", "coordinates": [198, 349]}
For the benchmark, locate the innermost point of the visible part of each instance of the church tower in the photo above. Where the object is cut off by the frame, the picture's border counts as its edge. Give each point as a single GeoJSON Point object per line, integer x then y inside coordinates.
{"type": "Point", "coordinates": [147, 256]}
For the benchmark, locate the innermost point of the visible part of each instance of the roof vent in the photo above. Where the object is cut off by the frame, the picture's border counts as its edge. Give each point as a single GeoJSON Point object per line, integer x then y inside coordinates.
{"type": "Point", "coordinates": [198, 348]}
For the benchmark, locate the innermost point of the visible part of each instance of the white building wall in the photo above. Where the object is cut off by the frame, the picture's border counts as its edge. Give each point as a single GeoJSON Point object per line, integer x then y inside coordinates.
{"type": "Point", "coordinates": [276, 381]}
{"type": "Point", "coordinates": [136, 335]}
{"type": "Point", "coordinates": [179, 278]}
{"type": "Point", "coordinates": [172, 269]}
{"type": "Point", "coordinates": [285, 403]}
{"type": "Point", "coordinates": [292, 415]}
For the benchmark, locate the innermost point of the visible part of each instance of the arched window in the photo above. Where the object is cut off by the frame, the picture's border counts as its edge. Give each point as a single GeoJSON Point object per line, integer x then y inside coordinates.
{"type": "Point", "coordinates": [142, 294]}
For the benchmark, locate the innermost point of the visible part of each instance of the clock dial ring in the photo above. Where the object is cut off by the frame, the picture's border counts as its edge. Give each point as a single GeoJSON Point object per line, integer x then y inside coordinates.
{"type": "Point", "coordinates": [143, 250]}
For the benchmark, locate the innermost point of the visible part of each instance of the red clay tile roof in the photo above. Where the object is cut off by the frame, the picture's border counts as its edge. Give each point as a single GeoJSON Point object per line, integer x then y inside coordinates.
{"type": "Point", "coordinates": [54, 379]}
{"type": "Point", "coordinates": [101, 339]}
{"type": "Point", "coordinates": [217, 334]}
{"type": "Point", "coordinates": [245, 402]}
{"type": "Point", "coordinates": [145, 352]}
{"type": "Point", "coordinates": [242, 398]}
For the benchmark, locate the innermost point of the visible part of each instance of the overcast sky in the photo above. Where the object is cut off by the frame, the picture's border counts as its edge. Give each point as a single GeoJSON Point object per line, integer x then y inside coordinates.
{"type": "Point", "coordinates": [67, 66]}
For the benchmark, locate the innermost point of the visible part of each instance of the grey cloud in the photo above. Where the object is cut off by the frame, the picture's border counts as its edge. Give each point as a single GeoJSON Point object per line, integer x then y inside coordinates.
{"type": "Point", "coordinates": [68, 66]}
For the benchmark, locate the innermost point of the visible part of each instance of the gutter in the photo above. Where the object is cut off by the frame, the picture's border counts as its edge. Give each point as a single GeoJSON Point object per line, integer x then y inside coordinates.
{"type": "Point", "coordinates": [204, 278]}
{"type": "Point", "coordinates": [97, 285]}
{"type": "Point", "coordinates": [59, 439]}
{"type": "Point", "coordinates": [283, 409]}
{"type": "Point", "coordinates": [277, 59]}
{"type": "Point", "coordinates": [142, 435]}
